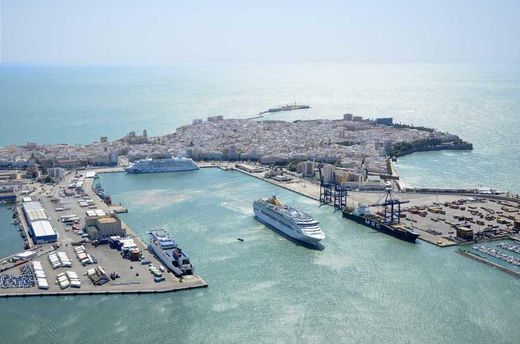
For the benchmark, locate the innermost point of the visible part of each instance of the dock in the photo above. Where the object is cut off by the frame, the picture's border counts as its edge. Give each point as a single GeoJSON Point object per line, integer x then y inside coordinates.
{"type": "Point", "coordinates": [134, 277]}
{"type": "Point", "coordinates": [312, 190]}
{"type": "Point", "coordinates": [488, 262]}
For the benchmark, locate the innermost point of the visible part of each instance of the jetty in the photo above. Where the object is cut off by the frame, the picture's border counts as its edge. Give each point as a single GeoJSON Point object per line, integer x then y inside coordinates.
{"type": "Point", "coordinates": [133, 276]}
{"type": "Point", "coordinates": [288, 107]}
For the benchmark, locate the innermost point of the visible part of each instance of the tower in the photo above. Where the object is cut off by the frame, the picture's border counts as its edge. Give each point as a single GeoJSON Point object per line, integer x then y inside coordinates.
{"type": "Point", "coordinates": [330, 190]}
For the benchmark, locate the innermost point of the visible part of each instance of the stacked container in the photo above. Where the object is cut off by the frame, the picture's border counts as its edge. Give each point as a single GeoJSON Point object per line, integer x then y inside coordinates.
{"type": "Point", "coordinates": [63, 280]}
{"type": "Point", "coordinates": [82, 255]}
{"type": "Point", "coordinates": [65, 261]}
{"type": "Point", "coordinates": [41, 279]}
{"type": "Point", "coordinates": [74, 279]}
{"type": "Point", "coordinates": [54, 260]}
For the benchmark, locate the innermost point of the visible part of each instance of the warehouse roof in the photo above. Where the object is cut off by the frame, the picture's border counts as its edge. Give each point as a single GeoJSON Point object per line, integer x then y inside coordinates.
{"type": "Point", "coordinates": [42, 228]}
{"type": "Point", "coordinates": [95, 212]}
{"type": "Point", "coordinates": [33, 215]}
{"type": "Point", "coordinates": [32, 206]}
{"type": "Point", "coordinates": [106, 220]}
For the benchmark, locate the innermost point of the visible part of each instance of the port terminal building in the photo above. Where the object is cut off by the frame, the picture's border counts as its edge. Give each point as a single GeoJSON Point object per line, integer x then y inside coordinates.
{"type": "Point", "coordinates": [102, 226]}
{"type": "Point", "coordinates": [40, 228]}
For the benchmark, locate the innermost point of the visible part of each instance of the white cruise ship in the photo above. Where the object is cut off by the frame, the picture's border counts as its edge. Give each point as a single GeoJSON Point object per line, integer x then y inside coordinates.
{"type": "Point", "coordinates": [166, 249]}
{"type": "Point", "coordinates": [287, 220]}
{"type": "Point", "coordinates": [161, 165]}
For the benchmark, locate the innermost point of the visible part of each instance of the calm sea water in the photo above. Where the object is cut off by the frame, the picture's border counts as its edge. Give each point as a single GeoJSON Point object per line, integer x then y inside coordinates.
{"type": "Point", "coordinates": [10, 240]}
{"type": "Point", "coordinates": [480, 102]}
{"type": "Point", "coordinates": [364, 287]}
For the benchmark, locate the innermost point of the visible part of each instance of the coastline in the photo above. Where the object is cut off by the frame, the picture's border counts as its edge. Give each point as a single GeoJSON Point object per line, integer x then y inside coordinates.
{"type": "Point", "coordinates": [462, 146]}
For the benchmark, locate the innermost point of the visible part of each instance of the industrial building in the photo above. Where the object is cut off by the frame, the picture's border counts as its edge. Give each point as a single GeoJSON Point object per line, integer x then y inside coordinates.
{"type": "Point", "coordinates": [31, 206]}
{"type": "Point", "coordinates": [306, 168]}
{"type": "Point", "coordinates": [40, 229]}
{"type": "Point", "coordinates": [249, 168]}
{"type": "Point", "coordinates": [42, 232]}
{"type": "Point", "coordinates": [104, 226]}
{"type": "Point", "coordinates": [35, 215]}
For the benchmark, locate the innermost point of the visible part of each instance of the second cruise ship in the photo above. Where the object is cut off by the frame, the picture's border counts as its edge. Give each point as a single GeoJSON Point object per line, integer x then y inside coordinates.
{"type": "Point", "coordinates": [288, 220]}
{"type": "Point", "coordinates": [161, 165]}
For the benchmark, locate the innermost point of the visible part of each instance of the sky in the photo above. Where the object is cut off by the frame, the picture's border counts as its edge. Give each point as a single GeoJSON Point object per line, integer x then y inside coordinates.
{"type": "Point", "coordinates": [262, 31]}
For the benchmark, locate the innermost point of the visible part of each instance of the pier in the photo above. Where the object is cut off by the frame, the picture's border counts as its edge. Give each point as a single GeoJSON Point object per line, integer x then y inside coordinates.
{"type": "Point", "coordinates": [425, 210]}
{"type": "Point", "coordinates": [488, 262]}
{"type": "Point", "coordinates": [134, 277]}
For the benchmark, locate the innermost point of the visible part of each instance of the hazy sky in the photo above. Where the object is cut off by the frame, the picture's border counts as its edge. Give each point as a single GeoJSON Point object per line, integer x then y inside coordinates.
{"type": "Point", "coordinates": [142, 32]}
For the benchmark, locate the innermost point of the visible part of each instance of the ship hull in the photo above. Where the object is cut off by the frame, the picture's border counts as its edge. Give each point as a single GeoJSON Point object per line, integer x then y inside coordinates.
{"type": "Point", "coordinates": [165, 170]}
{"type": "Point", "coordinates": [163, 257]}
{"type": "Point", "coordinates": [381, 227]}
{"type": "Point", "coordinates": [284, 229]}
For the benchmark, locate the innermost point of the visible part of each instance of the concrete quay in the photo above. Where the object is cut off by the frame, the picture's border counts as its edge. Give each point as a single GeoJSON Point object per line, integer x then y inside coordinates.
{"type": "Point", "coordinates": [480, 259]}
{"type": "Point", "coordinates": [431, 228]}
{"type": "Point", "coordinates": [134, 277]}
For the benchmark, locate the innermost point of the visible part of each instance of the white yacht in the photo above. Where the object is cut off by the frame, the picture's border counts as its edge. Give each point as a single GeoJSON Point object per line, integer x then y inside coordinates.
{"type": "Point", "coordinates": [166, 249]}
{"type": "Point", "coordinates": [288, 220]}
{"type": "Point", "coordinates": [161, 165]}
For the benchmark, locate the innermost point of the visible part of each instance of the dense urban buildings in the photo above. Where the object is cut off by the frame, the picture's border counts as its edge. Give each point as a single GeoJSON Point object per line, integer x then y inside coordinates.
{"type": "Point", "coordinates": [351, 143]}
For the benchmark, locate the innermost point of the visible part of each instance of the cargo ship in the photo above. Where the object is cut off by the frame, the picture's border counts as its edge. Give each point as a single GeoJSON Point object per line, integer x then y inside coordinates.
{"type": "Point", "coordinates": [389, 223]}
{"type": "Point", "coordinates": [290, 221]}
{"type": "Point", "coordinates": [168, 252]}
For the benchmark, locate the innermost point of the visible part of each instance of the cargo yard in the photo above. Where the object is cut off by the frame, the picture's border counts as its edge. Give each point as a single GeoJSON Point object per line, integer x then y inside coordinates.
{"type": "Point", "coordinates": [64, 259]}
{"type": "Point", "coordinates": [442, 219]}
{"type": "Point", "coordinates": [466, 219]}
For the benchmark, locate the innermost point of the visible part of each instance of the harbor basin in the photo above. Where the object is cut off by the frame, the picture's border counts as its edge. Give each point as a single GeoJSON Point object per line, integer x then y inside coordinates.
{"type": "Point", "coordinates": [363, 286]}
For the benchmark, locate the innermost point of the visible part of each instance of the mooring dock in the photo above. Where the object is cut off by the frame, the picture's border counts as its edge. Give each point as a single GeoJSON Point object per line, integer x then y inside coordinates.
{"type": "Point", "coordinates": [133, 276]}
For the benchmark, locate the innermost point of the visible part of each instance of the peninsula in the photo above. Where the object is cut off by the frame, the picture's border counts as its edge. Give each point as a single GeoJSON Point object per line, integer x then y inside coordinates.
{"type": "Point", "coordinates": [350, 142]}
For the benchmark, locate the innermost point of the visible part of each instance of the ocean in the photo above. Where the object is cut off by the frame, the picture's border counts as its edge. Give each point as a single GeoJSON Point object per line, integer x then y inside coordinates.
{"type": "Point", "coordinates": [10, 240]}
{"type": "Point", "coordinates": [78, 104]}
{"type": "Point", "coordinates": [363, 287]}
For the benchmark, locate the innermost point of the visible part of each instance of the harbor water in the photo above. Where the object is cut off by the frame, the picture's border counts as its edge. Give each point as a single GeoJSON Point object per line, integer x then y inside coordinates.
{"type": "Point", "coordinates": [363, 287]}
{"type": "Point", "coordinates": [10, 240]}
